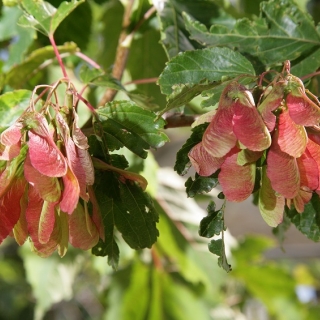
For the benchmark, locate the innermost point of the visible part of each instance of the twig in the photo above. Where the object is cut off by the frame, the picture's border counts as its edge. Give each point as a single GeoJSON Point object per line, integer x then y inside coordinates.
{"type": "Point", "coordinates": [87, 59]}
{"type": "Point", "coordinates": [123, 50]}
{"type": "Point", "coordinates": [55, 49]}
{"type": "Point", "coordinates": [121, 55]}
{"type": "Point", "coordinates": [177, 120]}
{"type": "Point", "coordinates": [317, 73]}
{"type": "Point", "coordinates": [142, 81]}
{"type": "Point", "coordinates": [156, 259]}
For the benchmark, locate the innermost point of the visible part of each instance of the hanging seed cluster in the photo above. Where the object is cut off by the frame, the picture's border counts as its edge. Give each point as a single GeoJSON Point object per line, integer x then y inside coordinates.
{"type": "Point", "coordinates": [274, 144]}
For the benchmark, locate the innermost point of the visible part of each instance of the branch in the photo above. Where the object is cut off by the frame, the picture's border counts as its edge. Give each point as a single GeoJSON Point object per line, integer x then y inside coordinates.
{"type": "Point", "coordinates": [123, 49]}
{"type": "Point", "coordinates": [121, 55]}
{"type": "Point", "coordinates": [176, 120]}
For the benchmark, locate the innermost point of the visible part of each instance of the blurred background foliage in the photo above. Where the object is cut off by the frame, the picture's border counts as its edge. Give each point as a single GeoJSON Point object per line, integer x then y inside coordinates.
{"type": "Point", "coordinates": [178, 278]}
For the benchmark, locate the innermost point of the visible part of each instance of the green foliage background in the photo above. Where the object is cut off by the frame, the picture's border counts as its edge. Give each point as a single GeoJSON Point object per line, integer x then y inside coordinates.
{"type": "Point", "coordinates": [180, 45]}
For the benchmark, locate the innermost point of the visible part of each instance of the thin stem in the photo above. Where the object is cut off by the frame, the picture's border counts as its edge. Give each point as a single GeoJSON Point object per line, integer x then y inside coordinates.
{"type": "Point", "coordinates": [142, 81]}
{"type": "Point", "coordinates": [123, 49]}
{"type": "Point", "coordinates": [145, 17]}
{"type": "Point", "coordinates": [177, 120]}
{"type": "Point", "coordinates": [310, 75]}
{"type": "Point", "coordinates": [56, 51]}
{"type": "Point", "coordinates": [121, 55]}
{"type": "Point", "coordinates": [156, 259]}
{"type": "Point", "coordinates": [88, 60]}
{"type": "Point", "coordinates": [86, 102]}
{"type": "Point", "coordinates": [80, 93]}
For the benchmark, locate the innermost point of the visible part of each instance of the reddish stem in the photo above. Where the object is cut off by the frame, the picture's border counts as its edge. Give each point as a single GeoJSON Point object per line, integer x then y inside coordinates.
{"type": "Point", "coordinates": [156, 259]}
{"type": "Point", "coordinates": [86, 102]}
{"type": "Point", "coordinates": [310, 75]}
{"type": "Point", "coordinates": [88, 60]}
{"type": "Point", "coordinates": [56, 51]}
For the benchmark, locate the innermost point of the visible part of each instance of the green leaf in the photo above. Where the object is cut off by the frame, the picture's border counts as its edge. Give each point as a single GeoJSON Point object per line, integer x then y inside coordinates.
{"type": "Point", "coordinates": [18, 49]}
{"type": "Point", "coordinates": [307, 222]}
{"type": "Point", "coordinates": [9, 17]}
{"type": "Point", "coordinates": [213, 223]}
{"type": "Point", "coordinates": [125, 206]}
{"type": "Point", "coordinates": [12, 105]}
{"type": "Point", "coordinates": [206, 65]}
{"type": "Point", "coordinates": [65, 8]}
{"type": "Point", "coordinates": [102, 80]}
{"type": "Point", "coordinates": [174, 37]}
{"type": "Point", "coordinates": [132, 127]}
{"type": "Point", "coordinates": [18, 75]}
{"type": "Point", "coordinates": [182, 164]}
{"type": "Point", "coordinates": [308, 65]}
{"type": "Point", "coordinates": [181, 95]}
{"type": "Point", "coordinates": [200, 184]}
{"type": "Point", "coordinates": [282, 32]}
{"type": "Point", "coordinates": [109, 247]}
{"type": "Point", "coordinates": [217, 248]}
{"type": "Point", "coordinates": [70, 29]}
{"type": "Point", "coordinates": [44, 17]}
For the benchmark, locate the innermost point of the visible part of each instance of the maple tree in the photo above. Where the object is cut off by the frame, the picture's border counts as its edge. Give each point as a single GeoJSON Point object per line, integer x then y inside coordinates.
{"type": "Point", "coordinates": [76, 138]}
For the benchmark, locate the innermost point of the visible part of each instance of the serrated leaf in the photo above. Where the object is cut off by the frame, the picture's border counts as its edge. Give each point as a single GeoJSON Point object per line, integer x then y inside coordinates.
{"type": "Point", "coordinates": [282, 32]}
{"type": "Point", "coordinates": [182, 164]}
{"type": "Point", "coordinates": [125, 206]}
{"type": "Point", "coordinates": [109, 247]}
{"type": "Point", "coordinates": [19, 74]}
{"type": "Point", "coordinates": [88, 74]}
{"type": "Point", "coordinates": [173, 34]}
{"type": "Point", "coordinates": [200, 184]}
{"type": "Point", "coordinates": [135, 128]}
{"type": "Point", "coordinates": [184, 94]}
{"type": "Point", "coordinates": [213, 223]}
{"type": "Point", "coordinates": [44, 17]}
{"type": "Point", "coordinates": [210, 64]}
{"type": "Point", "coordinates": [307, 222]}
{"type": "Point", "coordinates": [217, 248]}
{"type": "Point", "coordinates": [12, 105]}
